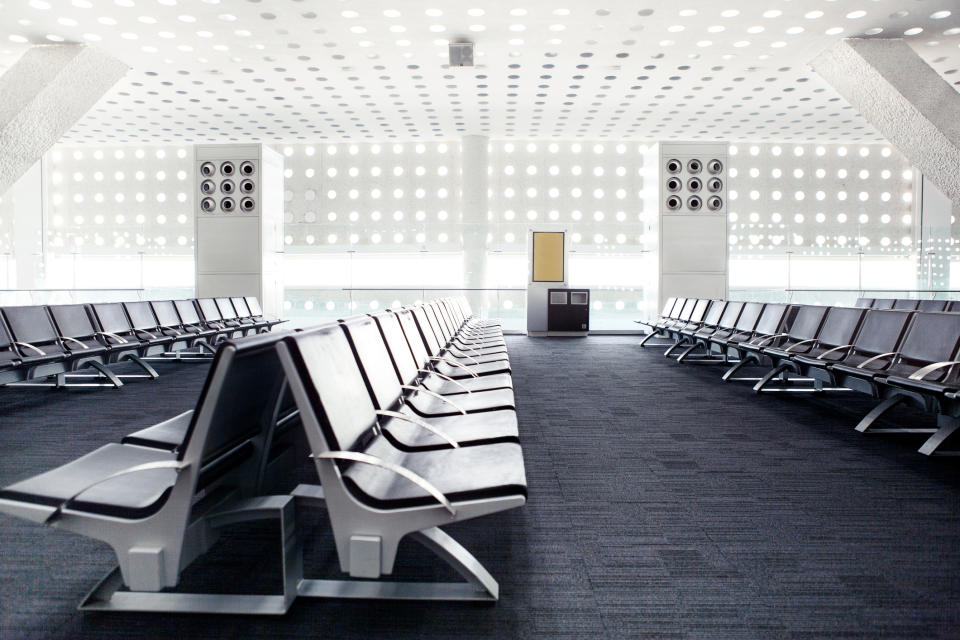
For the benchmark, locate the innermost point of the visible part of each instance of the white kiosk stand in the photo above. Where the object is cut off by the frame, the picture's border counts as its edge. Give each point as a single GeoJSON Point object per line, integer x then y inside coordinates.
{"type": "Point", "coordinates": [546, 269]}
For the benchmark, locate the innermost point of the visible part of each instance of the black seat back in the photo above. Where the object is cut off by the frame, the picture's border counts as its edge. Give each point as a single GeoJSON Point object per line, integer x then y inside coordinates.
{"type": "Point", "coordinates": [749, 316]}
{"type": "Point", "coordinates": [166, 313]}
{"type": "Point", "coordinates": [402, 357]}
{"type": "Point", "coordinates": [668, 307]}
{"type": "Point", "coordinates": [141, 315]}
{"type": "Point", "coordinates": [699, 310]}
{"type": "Point", "coordinates": [714, 313]}
{"type": "Point", "coordinates": [932, 305]}
{"type": "Point", "coordinates": [905, 304]}
{"type": "Point", "coordinates": [254, 305]}
{"type": "Point", "coordinates": [430, 339]}
{"type": "Point", "coordinates": [374, 360]}
{"type": "Point", "coordinates": [111, 318]}
{"type": "Point", "coordinates": [209, 310]}
{"type": "Point", "coordinates": [440, 328]}
{"type": "Point", "coordinates": [418, 347]}
{"type": "Point", "coordinates": [807, 322]}
{"type": "Point", "coordinates": [235, 410]}
{"type": "Point", "coordinates": [241, 307]}
{"type": "Point", "coordinates": [931, 337]}
{"type": "Point", "coordinates": [225, 307]}
{"type": "Point", "coordinates": [864, 302]}
{"type": "Point", "coordinates": [771, 319]}
{"type": "Point", "coordinates": [883, 303]}
{"type": "Point", "coordinates": [881, 331]}
{"type": "Point", "coordinates": [32, 325]}
{"type": "Point", "coordinates": [187, 310]}
{"type": "Point", "coordinates": [73, 321]}
{"type": "Point", "coordinates": [839, 326]}
{"type": "Point", "coordinates": [687, 310]}
{"type": "Point", "coordinates": [730, 315]}
{"type": "Point", "coordinates": [324, 365]}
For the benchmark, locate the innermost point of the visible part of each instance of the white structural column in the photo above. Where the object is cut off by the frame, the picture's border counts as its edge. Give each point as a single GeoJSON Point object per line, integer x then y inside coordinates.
{"type": "Point", "coordinates": [475, 202]}
{"type": "Point", "coordinates": [904, 98]}
{"type": "Point", "coordinates": [44, 94]}
{"type": "Point", "coordinates": [27, 195]}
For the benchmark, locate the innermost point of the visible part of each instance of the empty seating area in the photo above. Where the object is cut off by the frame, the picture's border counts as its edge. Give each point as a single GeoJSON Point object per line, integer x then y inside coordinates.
{"type": "Point", "coordinates": [408, 418]}
{"type": "Point", "coordinates": [51, 345]}
{"type": "Point", "coordinates": [895, 351]}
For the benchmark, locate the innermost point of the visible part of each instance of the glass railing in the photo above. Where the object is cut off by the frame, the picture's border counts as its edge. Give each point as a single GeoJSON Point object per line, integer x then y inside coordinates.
{"type": "Point", "coordinates": [612, 309]}
{"type": "Point", "coordinates": [836, 296]}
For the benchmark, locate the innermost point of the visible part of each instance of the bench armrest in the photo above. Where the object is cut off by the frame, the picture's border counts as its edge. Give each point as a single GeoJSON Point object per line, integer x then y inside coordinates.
{"type": "Point", "coordinates": [433, 394]}
{"type": "Point", "coordinates": [829, 351]}
{"type": "Point", "coordinates": [445, 377]}
{"type": "Point", "coordinates": [40, 352]}
{"type": "Point", "coordinates": [459, 354]}
{"type": "Point", "coordinates": [112, 335]}
{"type": "Point", "coordinates": [799, 344]}
{"type": "Point", "coordinates": [769, 339]}
{"type": "Point", "coordinates": [452, 363]}
{"type": "Point", "coordinates": [863, 365]}
{"type": "Point", "coordinates": [75, 341]}
{"type": "Point", "coordinates": [922, 372]}
{"type": "Point", "coordinates": [175, 465]}
{"type": "Point", "coordinates": [420, 423]}
{"type": "Point", "coordinates": [364, 458]}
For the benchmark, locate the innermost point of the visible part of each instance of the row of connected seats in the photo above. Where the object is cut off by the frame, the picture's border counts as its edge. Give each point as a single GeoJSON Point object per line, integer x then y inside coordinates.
{"type": "Point", "coordinates": [410, 423]}
{"type": "Point", "coordinates": [901, 352]}
{"type": "Point", "coordinates": [47, 345]}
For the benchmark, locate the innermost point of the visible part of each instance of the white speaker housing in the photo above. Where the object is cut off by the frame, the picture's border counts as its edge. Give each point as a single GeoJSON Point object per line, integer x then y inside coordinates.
{"type": "Point", "coordinates": [239, 235]}
{"type": "Point", "coordinates": [693, 220]}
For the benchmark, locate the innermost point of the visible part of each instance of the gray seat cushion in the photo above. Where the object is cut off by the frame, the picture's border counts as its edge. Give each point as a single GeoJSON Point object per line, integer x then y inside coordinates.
{"type": "Point", "coordinates": [468, 430]}
{"type": "Point", "coordinates": [483, 369]}
{"type": "Point", "coordinates": [471, 402]}
{"type": "Point", "coordinates": [445, 387]}
{"type": "Point", "coordinates": [468, 473]}
{"type": "Point", "coordinates": [135, 495]}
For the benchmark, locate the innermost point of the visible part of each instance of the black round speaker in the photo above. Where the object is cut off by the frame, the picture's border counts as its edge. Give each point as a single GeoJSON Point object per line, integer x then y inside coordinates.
{"type": "Point", "coordinates": [247, 168]}
{"type": "Point", "coordinates": [248, 204]}
{"type": "Point", "coordinates": [227, 186]}
{"type": "Point", "coordinates": [694, 203]}
{"type": "Point", "coordinates": [694, 166]}
{"type": "Point", "coordinates": [674, 166]}
{"type": "Point", "coordinates": [714, 185]}
{"type": "Point", "coordinates": [207, 169]}
{"type": "Point", "coordinates": [674, 185]}
{"type": "Point", "coordinates": [208, 187]}
{"type": "Point", "coordinates": [715, 203]}
{"type": "Point", "coordinates": [227, 168]}
{"type": "Point", "coordinates": [208, 204]}
{"type": "Point", "coordinates": [714, 166]}
{"type": "Point", "coordinates": [694, 184]}
{"type": "Point", "coordinates": [247, 186]}
{"type": "Point", "coordinates": [674, 203]}
{"type": "Point", "coordinates": [227, 204]}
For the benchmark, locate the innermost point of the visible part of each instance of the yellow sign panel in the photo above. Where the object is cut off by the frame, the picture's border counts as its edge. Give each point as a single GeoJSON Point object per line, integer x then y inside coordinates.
{"type": "Point", "coordinates": [548, 256]}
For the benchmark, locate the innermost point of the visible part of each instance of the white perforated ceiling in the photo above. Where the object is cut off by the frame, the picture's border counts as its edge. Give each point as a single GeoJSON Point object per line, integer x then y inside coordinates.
{"type": "Point", "coordinates": [288, 70]}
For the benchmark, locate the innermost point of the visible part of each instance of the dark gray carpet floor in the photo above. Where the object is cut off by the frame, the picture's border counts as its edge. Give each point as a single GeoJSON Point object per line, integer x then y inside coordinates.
{"type": "Point", "coordinates": [663, 504]}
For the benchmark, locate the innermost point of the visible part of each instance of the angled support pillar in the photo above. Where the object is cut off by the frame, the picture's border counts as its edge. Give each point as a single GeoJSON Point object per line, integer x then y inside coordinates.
{"type": "Point", "coordinates": [904, 99]}
{"type": "Point", "coordinates": [43, 95]}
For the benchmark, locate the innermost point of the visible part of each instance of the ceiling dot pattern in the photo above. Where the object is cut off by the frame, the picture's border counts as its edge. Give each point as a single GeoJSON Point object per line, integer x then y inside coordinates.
{"type": "Point", "coordinates": [289, 71]}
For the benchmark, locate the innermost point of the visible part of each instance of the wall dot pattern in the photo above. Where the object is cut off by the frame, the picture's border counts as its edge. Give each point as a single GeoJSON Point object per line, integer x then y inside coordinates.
{"type": "Point", "coordinates": [378, 197]}
{"type": "Point", "coordinates": [120, 200]}
{"type": "Point", "coordinates": [819, 200]}
{"type": "Point", "coordinates": [594, 189]}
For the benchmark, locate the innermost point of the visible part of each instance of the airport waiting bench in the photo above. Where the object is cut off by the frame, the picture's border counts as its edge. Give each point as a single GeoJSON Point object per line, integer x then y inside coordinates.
{"type": "Point", "coordinates": [51, 346]}
{"type": "Point", "coordinates": [399, 449]}
{"type": "Point", "coordinates": [898, 351]}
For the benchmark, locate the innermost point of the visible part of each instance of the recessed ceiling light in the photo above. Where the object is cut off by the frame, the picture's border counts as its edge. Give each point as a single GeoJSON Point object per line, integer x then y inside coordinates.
{"type": "Point", "coordinates": [561, 12]}
{"type": "Point", "coordinates": [772, 13]}
{"type": "Point", "coordinates": [434, 13]}
{"type": "Point", "coordinates": [391, 13]}
{"type": "Point", "coordinates": [518, 12]}
{"type": "Point", "coordinates": [476, 12]}
{"type": "Point", "coordinates": [940, 15]}
{"type": "Point", "coordinates": [729, 13]}
{"type": "Point", "coordinates": [854, 15]}
{"type": "Point", "coordinates": [912, 31]}
{"type": "Point", "coordinates": [813, 15]}
{"type": "Point", "coordinates": [476, 28]}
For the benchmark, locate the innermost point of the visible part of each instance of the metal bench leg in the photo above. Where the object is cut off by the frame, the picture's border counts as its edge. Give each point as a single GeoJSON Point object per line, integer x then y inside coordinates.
{"type": "Point", "coordinates": [773, 373]}
{"type": "Point", "coordinates": [948, 427]}
{"type": "Point", "coordinates": [868, 420]}
{"type": "Point", "coordinates": [687, 351]}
